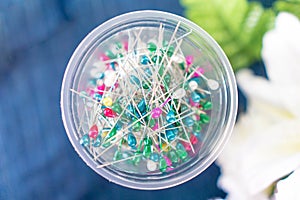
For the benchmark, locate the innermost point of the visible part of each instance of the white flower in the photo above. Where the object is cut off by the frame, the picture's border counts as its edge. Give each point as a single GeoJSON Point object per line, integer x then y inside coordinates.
{"type": "Point", "coordinates": [265, 145]}
{"type": "Point", "coordinates": [289, 187]}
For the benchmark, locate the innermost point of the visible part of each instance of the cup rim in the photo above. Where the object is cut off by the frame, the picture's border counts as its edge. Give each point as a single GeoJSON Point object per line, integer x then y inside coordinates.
{"type": "Point", "coordinates": [65, 102]}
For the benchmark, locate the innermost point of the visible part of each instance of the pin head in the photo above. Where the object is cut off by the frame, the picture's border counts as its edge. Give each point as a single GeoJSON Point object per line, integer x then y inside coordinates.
{"type": "Point", "coordinates": [135, 81]}
{"type": "Point", "coordinates": [93, 133]}
{"type": "Point", "coordinates": [199, 71]}
{"type": "Point", "coordinates": [195, 97]}
{"type": "Point", "coordinates": [193, 85]}
{"type": "Point", "coordinates": [131, 140]}
{"type": "Point", "coordinates": [101, 89]}
{"type": "Point", "coordinates": [189, 59]}
{"type": "Point", "coordinates": [170, 135]}
{"type": "Point", "coordinates": [212, 84]}
{"type": "Point", "coordinates": [151, 165]}
{"type": "Point", "coordinates": [108, 112]}
{"type": "Point", "coordinates": [97, 142]}
{"type": "Point", "coordinates": [156, 112]}
{"type": "Point", "coordinates": [179, 93]}
{"type": "Point", "coordinates": [110, 78]}
{"type": "Point", "coordinates": [107, 101]}
{"type": "Point", "coordinates": [154, 157]}
{"type": "Point", "coordinates": [85, 140]}
{"type": "Point", "coordinates": [170, 116]}
{"type": "Point", "coordinates": [177, 59]}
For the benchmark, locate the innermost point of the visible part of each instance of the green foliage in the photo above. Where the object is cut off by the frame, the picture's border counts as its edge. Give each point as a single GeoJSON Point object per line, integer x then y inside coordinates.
{"type": "Point", "coordinates": [291, 6]}
{"type": "Point", "coordinates": [237, 25]}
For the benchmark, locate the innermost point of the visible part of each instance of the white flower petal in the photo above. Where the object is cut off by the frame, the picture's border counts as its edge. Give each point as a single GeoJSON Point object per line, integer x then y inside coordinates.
{"type": "Point", "coordinates": [285, 98]}
{"type": "Point", "coordinates": [258, 156]}
{"type": "Point", "coordinates": [289, 187]}
{"type": "Point", "coordinates": [265, 145]}
{"type": "Point", "coordinates": [281, 50]}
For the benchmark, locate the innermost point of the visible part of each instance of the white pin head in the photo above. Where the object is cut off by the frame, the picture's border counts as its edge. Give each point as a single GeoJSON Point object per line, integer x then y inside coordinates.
{"type": "Point", "coordinates": [193, 85]}
{"type": "Point", "coordinates": [151, 165]}
{"type": "Point", "coordinates": [178, 94]}
{"type": "Point", "coordinates": [212, 84]}
{"type": "Point", "coordinates": [110, 78]}
{"type": "Point", "coordinates": [177, 59]}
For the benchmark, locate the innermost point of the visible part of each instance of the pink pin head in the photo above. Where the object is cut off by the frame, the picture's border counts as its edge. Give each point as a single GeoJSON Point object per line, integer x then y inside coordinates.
{"type": "Point", "coordinates": [90, 91]}
{"type": "Point", "coordinates": [187, 146]}
{"type": "Point", "coordinates": [156, 112]}
{"type": "Point", "coordinates": [168, 161]}
{"type": "Point", "coordinates": [189, 60]}
{"type": "Point", "coordinates": [93, 132]}
{"type": "Point", "coordinates": [125, 44]}
{"type": "Point", "coordinates": [193, 104]}
{"type": "Point", "coordinates": [108, 112]}
{"type": "Point", "coordinates": [198, 72]}
{"type": "Point", "coordinates": [101, 89]}
{"type": "Point", "coordinates": [103, 57]}
{"type": "Point", "coordinates": [193, 139]}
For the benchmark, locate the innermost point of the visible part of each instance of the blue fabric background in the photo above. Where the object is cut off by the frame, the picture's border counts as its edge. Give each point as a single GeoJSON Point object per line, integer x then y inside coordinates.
{"type": "Point", "coordinates": [37, 160]}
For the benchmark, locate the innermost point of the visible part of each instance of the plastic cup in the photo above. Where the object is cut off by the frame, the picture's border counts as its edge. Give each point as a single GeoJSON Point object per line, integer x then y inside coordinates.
{"type": "Point", "coordinates": [110, 65]}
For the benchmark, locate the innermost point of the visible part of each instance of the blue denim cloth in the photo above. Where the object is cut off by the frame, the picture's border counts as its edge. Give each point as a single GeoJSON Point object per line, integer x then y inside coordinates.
{"type": "Point", "coordinates": [37, 160]}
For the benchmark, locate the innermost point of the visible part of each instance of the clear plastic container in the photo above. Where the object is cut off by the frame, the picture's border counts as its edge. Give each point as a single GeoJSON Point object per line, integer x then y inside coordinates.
{"type": "Point", "coordinates": [148, 100]}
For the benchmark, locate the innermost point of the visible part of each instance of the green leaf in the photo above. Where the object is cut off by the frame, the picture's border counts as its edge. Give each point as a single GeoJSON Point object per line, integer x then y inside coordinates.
{"type": "Point", "coordinates": [291, 6]}
{"type": "Point", "coordinates": [238, 26]}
